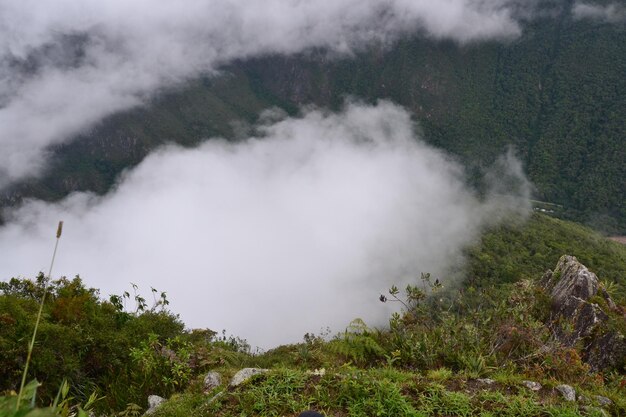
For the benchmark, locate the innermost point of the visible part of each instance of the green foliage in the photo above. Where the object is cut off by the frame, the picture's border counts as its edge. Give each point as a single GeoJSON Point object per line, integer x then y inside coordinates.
{"type": "Point", "coordinates": [164, 367]}
{"type": "Point", "coordinates": [81, 339]}
{"type": "Point", "coordinates": [348, 391]}
{"type": "Point", "coordinates": [509, 253]}
{"type": "Point", "coordinates": [358, 344]}
{"type": "Point", "coordinates": [439, 375]}
{"type": "Point", "coordinates": [63, 406]}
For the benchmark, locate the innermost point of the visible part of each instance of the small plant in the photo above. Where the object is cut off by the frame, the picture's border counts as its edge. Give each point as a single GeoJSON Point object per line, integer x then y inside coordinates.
{"type": "Point", "coordinates": [131, 410]}
{"type": "Point", "coordinates": [141, 306]}
{"type": "Point", "coordinates": [359, 344]}
{"type": "Point", "coordinates": [167, 362]}
{"type": "Point", "coordinates": [439, 375]}
{"type": "Point", "coordinates": [414, 296]}
{"type": "Point", "coordinates": [21, 392]}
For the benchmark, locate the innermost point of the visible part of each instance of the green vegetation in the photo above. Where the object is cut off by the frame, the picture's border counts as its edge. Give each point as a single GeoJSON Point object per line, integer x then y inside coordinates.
{"type": "Point", "coordinates": [514, 251]}
{"type": "Point", "coordinates": [428, 361]}
{"type": "Point", "coordinates": [93, 344]}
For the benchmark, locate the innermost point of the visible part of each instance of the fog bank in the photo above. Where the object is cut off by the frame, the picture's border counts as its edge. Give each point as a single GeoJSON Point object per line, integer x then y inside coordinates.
{"type": "Point", "coordinates": [65, 65]}
{"type": "Point", "coordinates": [299, 227]}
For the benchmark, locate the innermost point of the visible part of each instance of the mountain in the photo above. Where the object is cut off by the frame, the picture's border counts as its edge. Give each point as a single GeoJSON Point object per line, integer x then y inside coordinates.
{"type": "Point", "coordinates": [557, 95]}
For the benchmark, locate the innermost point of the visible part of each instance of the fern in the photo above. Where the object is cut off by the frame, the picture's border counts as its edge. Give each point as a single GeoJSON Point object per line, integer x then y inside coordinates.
{"type": "Point", "coordinates": [358, 344]}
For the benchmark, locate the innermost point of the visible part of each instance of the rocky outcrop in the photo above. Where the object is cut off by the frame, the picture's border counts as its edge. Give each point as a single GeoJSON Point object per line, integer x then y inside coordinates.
{"type": "Point", "coordinates": [577, 320]}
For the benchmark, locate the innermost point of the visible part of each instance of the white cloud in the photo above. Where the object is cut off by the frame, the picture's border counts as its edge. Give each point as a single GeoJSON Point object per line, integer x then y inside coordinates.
{"type": "Point", "coordinates": [610, 13]}
{"type": "Point", "coordinates": [299, 228]}
{"type": "Point", "coordinates": [67, 64]}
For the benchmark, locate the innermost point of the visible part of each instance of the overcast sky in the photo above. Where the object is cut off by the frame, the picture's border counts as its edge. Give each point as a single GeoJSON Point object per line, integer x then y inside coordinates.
{"type": "Point", "coordinates": [298, 228]}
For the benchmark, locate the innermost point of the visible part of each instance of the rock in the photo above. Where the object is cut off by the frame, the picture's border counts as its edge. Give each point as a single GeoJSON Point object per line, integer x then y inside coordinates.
{"type": "Point", "coordinates": [318, 372]}
{"type": "Point", "coordinates": [570, 279]}
{"type": "Point", "coordinates": [154, 401]}
{"type": "Point", "coordinates": [244, 375]}
{"type": "Point", "coordinates": [568, 393]}
{"type": "Point", "coordinates": [212, 380]}
{"type": "Point", "coordinates": [486, 381]}
{"type": "Point", "coordinates": [606, 350]}
{"type": "Point", "coordinates": [532, 385]}
{"type": "Point", "coordinates": [594, 411]}
{"type": "Point", "coordinates": [603, 401]}
{"type": "Point", "coordinates": [577, 321]}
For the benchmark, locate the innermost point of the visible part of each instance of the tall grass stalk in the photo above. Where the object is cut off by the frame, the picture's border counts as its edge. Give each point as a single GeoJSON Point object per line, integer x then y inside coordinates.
{"type": "Point", "coordinates": [43, 299]}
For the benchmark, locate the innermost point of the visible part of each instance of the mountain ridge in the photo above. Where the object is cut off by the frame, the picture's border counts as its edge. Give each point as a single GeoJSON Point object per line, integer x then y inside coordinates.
{"type": "Point", "coordinates": [556, 94]}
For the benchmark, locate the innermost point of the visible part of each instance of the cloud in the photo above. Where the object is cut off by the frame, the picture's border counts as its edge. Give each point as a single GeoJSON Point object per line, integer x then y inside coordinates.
{"type": "Point", "coordinates": [610, 13]}
{"type": "Point", "coordinates": [297, 228]}
{"type": "Point", "coordinates": [67, 64]}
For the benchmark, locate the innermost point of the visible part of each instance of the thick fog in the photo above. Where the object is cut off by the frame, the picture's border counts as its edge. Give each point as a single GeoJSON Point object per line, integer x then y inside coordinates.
{"type": "Point", "coordinates": [67, 64]}
{"type": "Point", "coordinates": [297, 228]}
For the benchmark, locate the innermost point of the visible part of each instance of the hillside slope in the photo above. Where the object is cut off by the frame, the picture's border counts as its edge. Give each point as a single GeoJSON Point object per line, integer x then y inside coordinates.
{"type": "Point", "coordinates": [557, 94]}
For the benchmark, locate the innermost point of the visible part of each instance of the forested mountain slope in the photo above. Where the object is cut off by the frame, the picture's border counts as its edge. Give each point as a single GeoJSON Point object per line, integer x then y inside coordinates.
{"type": "Point", "coordinates": [557, 95]}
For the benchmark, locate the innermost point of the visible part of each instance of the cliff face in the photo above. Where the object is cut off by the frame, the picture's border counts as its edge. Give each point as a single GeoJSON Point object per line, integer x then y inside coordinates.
{"type": "Point", "coordinates": [578, 319]}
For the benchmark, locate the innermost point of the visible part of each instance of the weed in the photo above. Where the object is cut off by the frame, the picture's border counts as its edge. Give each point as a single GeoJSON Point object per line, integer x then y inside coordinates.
{"type": "Point", "coordinates": [439, 375]}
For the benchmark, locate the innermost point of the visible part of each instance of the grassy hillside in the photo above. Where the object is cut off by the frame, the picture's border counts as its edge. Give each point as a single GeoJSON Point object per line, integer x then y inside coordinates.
{"type": "Point", "coordinates": [509, 253]}
{"type": "Point", "coordinates": [425, 363]}
{"type": "Point", "coordinates": [557, 94]}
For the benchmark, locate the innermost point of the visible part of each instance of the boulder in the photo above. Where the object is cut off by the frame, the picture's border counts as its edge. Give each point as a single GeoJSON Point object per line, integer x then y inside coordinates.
{"type": "Point", "coordinates": [576, 320]}
{"type": "Point", "coordinates": [212, 380]}
{"type": "Point", "coordinates": [603, 401]}
{"type": "Point", "coordinates": [154, 401]}
{"type": "Point", "coordinates": [568, 393]}
{"type": "Point", "coordinates": [244, 375]}
{"type": "Point", "coordinates": [532, 385]}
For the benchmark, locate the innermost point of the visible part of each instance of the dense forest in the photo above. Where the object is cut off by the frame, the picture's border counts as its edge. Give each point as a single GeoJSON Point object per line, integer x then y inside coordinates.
{"type": "Point", "coordinates": [557, 95]}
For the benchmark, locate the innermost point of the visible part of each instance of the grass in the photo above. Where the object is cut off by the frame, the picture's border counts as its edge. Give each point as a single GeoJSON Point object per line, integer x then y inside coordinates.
{"type": "Point", "coordinates": [366, 393]}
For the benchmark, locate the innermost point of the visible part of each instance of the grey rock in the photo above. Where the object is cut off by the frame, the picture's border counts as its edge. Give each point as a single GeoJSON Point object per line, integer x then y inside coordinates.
{"type": "Point", "coordinates": [244, 375]}
{"type": "Point", "coordinates": [212, 380]}
{"type": "Point", "coordinates": [575, 320]}
{"type": "Point", "coordinates": [570, 279]}
{"type": "Point", "coordinates": [154, 401]}
{"type": "Point", "coordinates": [532, 385]}
{"type": "Point", "coordinates": [606, 351]}
{"type": "Point", "coordinates": [568, 393]}
{"type": "Point", "coordinates": [603, 401]}
{"type": "Point", "coordinates": [486, 381]}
